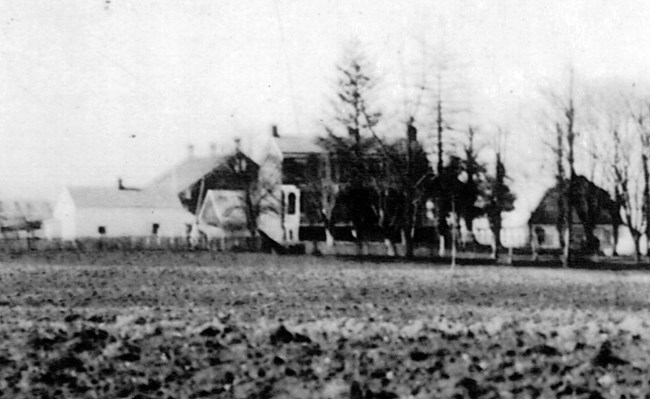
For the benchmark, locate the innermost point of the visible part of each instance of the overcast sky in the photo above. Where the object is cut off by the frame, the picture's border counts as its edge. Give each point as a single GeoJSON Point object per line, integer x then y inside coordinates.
{"type": "Point", "coordinates": [92, 90]}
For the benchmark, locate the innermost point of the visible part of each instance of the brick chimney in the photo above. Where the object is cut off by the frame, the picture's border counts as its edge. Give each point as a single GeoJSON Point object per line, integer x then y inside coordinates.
{"type": "Point", "coordinates": [274, 131]}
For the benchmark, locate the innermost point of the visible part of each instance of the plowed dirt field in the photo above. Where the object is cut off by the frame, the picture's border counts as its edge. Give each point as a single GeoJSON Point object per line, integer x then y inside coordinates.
{"type": "Point", "coordinates": [246, 326]}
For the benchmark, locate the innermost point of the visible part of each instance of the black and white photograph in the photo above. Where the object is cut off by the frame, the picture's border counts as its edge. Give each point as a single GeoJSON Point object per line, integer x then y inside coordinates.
{"type": "Point", "coordinates": [324, 199]}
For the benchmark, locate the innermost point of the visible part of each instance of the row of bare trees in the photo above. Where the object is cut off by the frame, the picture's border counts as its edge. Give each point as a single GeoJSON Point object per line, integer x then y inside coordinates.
{"type": "Point", "coordinates": [602, 133]}
{"type": "Point", "coordinates": [387, 176]}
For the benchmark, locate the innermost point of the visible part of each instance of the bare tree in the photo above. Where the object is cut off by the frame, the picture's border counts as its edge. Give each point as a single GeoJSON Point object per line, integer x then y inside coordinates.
{"type": "Point", "coordinates": [621, 125]}
{"type": "Point", "coordinates": [355, 114]}
{"type": "Point", "coordinates": [639, 109]}
{"type": "Point", "coordinates": [628, 184]}
{"type": "Point", "coordinates": [563, 115]}
{"type": "Point", "coordinates": [447, 86]}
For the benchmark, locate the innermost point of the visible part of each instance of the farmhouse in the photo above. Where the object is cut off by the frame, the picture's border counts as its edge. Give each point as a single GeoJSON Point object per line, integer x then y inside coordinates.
{"type": "Point", "coordinates": [594, 209]}
{"type": "Point", "coordinates": [219, 189]}
{"type": "Point", "coordinates": [305, 165]}
{"type": "Point", "coordinates": [279, 179]}
{"type": "Point", "coordinates": [97, 212]}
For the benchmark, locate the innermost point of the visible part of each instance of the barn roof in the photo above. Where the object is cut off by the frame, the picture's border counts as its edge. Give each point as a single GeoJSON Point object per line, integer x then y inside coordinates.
{"type": "Point", "coordinates": [548, 209]}
{"type": "Point", "coordinates": [186, 173]}
{"type": "Point", "coordinates": [111, 197]}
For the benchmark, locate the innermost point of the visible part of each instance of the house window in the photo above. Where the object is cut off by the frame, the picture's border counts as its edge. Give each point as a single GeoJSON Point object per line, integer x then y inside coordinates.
{"type": "Point", "coordinates": [101, 230]}
{"type": "Point", "coordinates": [155, 228]}
{"type": "Point", "coordinates": [291, 204]}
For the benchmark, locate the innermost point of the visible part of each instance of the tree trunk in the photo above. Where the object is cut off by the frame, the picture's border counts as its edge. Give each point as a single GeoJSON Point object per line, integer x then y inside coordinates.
{"type": "Point", "coordinates": [561, 204]}
{"type": "Point", "coordinates": [646, 196]}
{"type": "Point", "coordinates": [534, 244]}
{"type": "Point", "coordinates": [407, 232]}
{"type": "Point", "coordinates": [615, 227]}
{"type": "Point", "coordinates": [496, 237]}
{"type": "Point", "coordinates": [411, 142]}
{"type": "Point", "coordinates": [329, 237]}
{"type": "Point", "coordinates": [565, 250]}
{"type": "Point", "coordinates": [408, 246]}
{"type": "Point", "coordinates": [636, 236]}
{"type": "Point", "coordinates": [390, 247]}
{"type": "Point", "coordinates": [616, 221]}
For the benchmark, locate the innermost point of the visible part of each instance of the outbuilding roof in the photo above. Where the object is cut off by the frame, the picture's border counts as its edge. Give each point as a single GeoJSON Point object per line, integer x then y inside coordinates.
{"type": "Point", "coordinates": [110, 197]}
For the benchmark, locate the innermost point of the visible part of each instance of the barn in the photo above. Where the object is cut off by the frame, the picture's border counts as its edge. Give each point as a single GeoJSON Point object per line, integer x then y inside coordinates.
{"type": "Point", "coordinates": [97, 212]}
{"type": "Point", "coordinates": [593, 207]}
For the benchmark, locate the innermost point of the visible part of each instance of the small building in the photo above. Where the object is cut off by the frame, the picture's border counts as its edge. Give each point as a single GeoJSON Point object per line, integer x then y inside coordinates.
{"type": "Point", "coordinates": [593, 204]}
{"type": "Point", "coordinates": [97, 212]}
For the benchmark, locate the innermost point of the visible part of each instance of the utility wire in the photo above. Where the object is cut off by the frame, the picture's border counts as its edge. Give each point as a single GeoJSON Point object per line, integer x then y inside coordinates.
{"type": "Point", "coordinates": [288, 67]}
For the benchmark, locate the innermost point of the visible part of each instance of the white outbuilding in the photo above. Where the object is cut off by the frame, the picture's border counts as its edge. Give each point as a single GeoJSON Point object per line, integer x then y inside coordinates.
{"type": "Point", "coordinates": [94, 212]}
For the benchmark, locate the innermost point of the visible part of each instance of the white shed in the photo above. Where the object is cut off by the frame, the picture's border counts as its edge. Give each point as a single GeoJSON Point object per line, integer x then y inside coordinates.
{"type": "Point", "coordinates": [93, 212]}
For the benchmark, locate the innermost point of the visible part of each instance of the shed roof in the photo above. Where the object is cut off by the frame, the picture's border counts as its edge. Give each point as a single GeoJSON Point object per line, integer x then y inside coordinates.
{"type": "Point", "coordinates": [110, 197]}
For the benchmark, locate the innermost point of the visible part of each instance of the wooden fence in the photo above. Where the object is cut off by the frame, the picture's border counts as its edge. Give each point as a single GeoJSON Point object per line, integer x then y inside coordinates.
{"type": "Point", "coordinates": [235, 244]}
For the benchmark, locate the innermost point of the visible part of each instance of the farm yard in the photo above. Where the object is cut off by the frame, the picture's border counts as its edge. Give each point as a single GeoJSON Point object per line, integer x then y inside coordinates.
{"type": "Point", "coordinates": [203, 325]}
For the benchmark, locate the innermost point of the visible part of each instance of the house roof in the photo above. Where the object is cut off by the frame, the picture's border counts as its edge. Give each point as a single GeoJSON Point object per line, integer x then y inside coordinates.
{"type": "Point", "coordinates": [110, 197]}
{"type": "Point", "coordinates": [186, 173]}
{"type": "Point", "coordinates": [548, 209]}
{"type": "Point", "coordinates": [299, 145]}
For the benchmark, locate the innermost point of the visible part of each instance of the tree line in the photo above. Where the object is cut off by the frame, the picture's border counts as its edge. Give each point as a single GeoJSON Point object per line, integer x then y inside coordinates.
{"type": "Point", "coordinates": [601, 133]}
{"type": "Point", "coordinates": [392, 182]}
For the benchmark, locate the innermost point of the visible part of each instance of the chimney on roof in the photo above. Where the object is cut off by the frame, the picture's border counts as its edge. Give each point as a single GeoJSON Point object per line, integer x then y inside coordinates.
{"type": "Point", "coordinates": [213, 150]}
{"type": "Point", "coordinates": [237, 144]}
{"type": "Point", "coordinates": [190, 150]}
{"type": "Point", "coordinates": [121, 186]}
{"type": "Point", "coordinates": [411, 131]}
{"type": "Point", "coordinates": [274, 131]}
